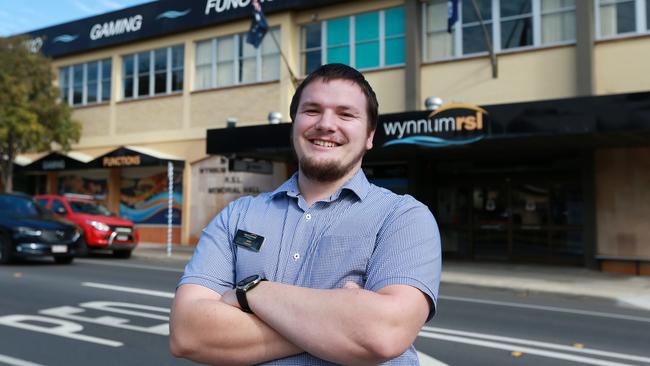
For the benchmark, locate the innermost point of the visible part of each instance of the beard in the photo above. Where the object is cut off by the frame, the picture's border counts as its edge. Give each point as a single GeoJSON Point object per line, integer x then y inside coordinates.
{"type": "Point", "coordinates": [327, 171]}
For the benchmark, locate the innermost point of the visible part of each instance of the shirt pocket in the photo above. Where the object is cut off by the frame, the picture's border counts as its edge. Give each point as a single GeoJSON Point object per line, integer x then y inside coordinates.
{"type": "Point", "coordinates": [338, 259]}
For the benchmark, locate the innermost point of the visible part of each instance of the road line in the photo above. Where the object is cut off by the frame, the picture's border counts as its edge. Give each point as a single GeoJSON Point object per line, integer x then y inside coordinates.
{"type": "Point", "coordinates": [142, 291]}
{"type": "Point", "coordinates": [128, 265]}
{"type": "Point", "coordinates": [549, 308]}
{"type": "Point", "coordinates": [561, 347]}
{"type": "Point", "coordinates": [525, 350]}
{"type": "Point", "coordinates": [16, 361]}
{"type": "Point", "coordinates": [426, 360]}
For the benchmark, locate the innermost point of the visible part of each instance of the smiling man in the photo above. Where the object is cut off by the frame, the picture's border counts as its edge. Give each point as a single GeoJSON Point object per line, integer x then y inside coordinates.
{"type": "Point", "coordinates": [328, 268]}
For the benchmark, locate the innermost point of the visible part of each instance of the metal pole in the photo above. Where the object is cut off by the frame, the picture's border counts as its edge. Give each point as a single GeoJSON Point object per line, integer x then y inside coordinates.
{"type": "Point", "coordinates": [294, 79]}
{"type": "Point", "coordinates": [488, 43]}
{"type": "Point", "coordinates": [170, 205]}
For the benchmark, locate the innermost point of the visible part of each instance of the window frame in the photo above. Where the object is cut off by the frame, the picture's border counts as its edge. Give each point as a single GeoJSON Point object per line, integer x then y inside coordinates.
{"type": "Point", "coordinates": [494, 26]}
{"type": "Point", "coordinates": [151, 73]}
{"type": "Point", "coordinates": [235, 59]}
{"type": "Point", "coordinates": [641, 22]}
{"type": "Point", "coordinates": [351, 41]}
{"type": "Point", "coordinates": [67, 83]}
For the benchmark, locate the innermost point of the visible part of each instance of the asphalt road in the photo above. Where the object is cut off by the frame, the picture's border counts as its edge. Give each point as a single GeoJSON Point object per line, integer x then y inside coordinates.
{"type": "Point", "coordinates": [105, 311]}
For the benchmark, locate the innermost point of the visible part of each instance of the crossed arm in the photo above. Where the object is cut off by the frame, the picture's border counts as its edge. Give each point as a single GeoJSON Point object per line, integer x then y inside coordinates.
{"type": "Point", "coordinates": [349, 326]}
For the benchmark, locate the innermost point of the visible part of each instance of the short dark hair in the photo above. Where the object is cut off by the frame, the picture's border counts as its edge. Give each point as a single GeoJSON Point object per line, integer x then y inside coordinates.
{"type": "Point", "coordinates": [335, 72]}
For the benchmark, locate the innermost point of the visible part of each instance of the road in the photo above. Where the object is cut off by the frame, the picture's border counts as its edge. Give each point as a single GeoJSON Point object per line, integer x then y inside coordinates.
{"type": "Point", "coordinates": [105, 311]}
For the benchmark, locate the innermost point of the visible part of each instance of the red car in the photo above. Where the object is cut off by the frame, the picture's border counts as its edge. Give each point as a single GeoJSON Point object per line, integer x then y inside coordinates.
{"type": "Point", "coordinates": [102, 229]}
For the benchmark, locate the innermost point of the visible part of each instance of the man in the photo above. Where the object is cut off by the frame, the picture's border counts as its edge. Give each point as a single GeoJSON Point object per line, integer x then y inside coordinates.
{"type": "Point", "coordinates": [329, 268]}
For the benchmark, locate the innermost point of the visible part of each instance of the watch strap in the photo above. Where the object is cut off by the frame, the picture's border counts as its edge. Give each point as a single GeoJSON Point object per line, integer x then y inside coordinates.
{"type": "Point", "coordinates": [243, 302]}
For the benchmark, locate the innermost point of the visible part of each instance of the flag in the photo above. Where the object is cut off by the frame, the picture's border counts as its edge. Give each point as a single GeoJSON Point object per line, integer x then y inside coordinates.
{"type": "Point", "coordinates": [259, 26]}
{"type": "Point", "coordinates": [452, 14]}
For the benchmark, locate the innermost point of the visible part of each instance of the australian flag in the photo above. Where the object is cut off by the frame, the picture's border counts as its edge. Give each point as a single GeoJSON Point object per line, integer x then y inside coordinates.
{"type": "Point", "coordinates": [259, 26]}
{"type": "Point", "coordinates": [452, 14]}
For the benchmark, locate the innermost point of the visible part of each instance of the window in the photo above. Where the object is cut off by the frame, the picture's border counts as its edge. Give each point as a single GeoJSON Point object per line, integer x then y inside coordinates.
{"type": "Point", "coordinates": [472, 32]}
{"type": "Point", "coordinates": [229, 60]}
{"type": "Point", "coordinates": [508, 25]}
{"type": "Point", "coordinates": [616, 17]}
{"type": "Point", "coordinates": [58, 207]}
{"type": "Point", "coordinates": [365, 41]}
{"type": "Point", "coordinates": [558, 21]}
{"type": "Point", "coordinates": [86, 83]}
{"type": "Point", "coordinates": [153, 72]}
{"type": "Point", "coordinates": [516, 23]}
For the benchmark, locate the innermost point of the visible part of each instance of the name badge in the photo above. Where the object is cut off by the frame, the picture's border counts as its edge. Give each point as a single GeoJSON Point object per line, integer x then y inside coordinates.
{"type": "Point", "coordinates": [248, 240]}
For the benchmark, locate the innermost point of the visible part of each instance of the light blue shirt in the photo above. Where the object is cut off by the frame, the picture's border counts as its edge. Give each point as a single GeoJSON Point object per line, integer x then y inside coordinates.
{"type": "Point", "coordinates": [363, 233]}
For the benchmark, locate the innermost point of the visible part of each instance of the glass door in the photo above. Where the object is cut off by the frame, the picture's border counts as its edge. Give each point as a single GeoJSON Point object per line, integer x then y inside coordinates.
{"type": "Point", "coordinates": [491, 220]}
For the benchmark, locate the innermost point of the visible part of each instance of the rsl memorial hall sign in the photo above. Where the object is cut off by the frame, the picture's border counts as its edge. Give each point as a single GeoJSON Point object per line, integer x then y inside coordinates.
{"type": "Point", "coordinates": [450, 125]}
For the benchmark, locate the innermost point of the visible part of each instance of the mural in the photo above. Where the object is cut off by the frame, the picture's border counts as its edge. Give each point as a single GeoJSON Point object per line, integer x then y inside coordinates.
{"type": "Point", "coordinates": [144, 196]}
{"type": "Point", "coordinates": [83, 183]}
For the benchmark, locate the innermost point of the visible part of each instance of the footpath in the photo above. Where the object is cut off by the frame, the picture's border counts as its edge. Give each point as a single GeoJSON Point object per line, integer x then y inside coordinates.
{"type": "Point", "coordinates": [632, 290]}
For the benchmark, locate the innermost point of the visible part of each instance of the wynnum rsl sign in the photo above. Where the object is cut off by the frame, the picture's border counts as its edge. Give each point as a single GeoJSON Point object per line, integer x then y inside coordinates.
{"type": "Point", "coordinates": [451, 124]}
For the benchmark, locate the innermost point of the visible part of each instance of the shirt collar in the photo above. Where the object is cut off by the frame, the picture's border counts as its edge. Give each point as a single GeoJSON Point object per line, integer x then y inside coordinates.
{"type": "Point", "coordinates": [358, 184]}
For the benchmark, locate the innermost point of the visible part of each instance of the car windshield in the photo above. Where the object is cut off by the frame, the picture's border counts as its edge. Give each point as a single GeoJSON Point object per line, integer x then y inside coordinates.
{"type": "Point", "coordinates": [90, 208]}
{"type": "Point", "coordinates": [18, 206]}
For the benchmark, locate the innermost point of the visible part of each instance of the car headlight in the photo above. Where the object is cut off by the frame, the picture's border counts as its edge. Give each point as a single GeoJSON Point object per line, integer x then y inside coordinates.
{"type": "Point", "coordinates": [99, 225]}
{"type": "Point", "coordinates": [26, 231]}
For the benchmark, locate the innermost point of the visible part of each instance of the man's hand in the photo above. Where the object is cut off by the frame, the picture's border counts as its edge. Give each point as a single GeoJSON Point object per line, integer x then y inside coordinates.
{"type": "Point", "coordinates": [230, 297]}
{"type": "Point", "coordinates": [349, 325]}
{"type": "Point", "coordinates": [208, 328]}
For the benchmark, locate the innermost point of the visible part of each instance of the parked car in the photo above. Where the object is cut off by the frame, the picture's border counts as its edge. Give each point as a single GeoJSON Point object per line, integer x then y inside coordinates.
{"type": "Point", "coordinates": [29, 230]}
{"type": "Point", "coordinates": [102, 230]}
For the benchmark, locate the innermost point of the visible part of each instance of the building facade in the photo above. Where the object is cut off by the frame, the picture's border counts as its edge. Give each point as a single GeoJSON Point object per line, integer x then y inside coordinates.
{"type": "Point", "coordinates": [552, 167]}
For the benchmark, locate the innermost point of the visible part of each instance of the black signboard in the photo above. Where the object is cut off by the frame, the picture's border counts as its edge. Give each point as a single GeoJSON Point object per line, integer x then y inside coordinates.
{"type": "Point", "coordinates": [124, 157]}
{"type": "Point", "coordinates": [155, 19]}
{"type": "Point", "coordinates": [53, 162]}
{"type": "Point", "coordinates": [590, 117]}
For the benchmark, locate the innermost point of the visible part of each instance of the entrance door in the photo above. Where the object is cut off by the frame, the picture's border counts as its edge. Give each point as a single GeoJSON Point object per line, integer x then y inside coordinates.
{"type": "Point", "coordinates": [522, 217]}
{"type": "Point", "coordinates": [491, 221]}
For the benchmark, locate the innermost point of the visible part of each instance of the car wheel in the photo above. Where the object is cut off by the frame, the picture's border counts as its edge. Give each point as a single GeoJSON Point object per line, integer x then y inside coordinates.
{"type": "Point", "coordinates": [82, 247]}
{"type": "Point", "coordinates": [5, 250]}
{"type": "Point", "coordinates": [122, 254]}
{"type": "Point", "coordinates": [64, 260]}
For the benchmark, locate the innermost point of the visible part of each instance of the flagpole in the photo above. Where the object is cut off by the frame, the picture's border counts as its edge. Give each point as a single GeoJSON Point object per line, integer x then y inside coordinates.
{"type": "Point", "coordinates": [294, 79]}
{"type": "Point", "coordinates": [488, 43]}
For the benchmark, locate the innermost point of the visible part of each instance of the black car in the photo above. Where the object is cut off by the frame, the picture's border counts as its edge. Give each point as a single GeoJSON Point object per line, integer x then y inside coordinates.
{"type": "Point", "coordinates": [30, 230]}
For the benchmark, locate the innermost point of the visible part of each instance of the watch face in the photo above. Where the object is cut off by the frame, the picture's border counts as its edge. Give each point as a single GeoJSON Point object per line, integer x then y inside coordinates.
{"type": "Point", "coordinates": [246, 281]}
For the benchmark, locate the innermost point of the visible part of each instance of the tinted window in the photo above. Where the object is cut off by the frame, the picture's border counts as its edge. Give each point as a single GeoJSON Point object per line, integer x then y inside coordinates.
{"type": "Point", "coordinates": [89, 208]}
{"type": "Point", "coordinates": [17, 206]}
{"type": "Point", "coordinates": [58, 207]}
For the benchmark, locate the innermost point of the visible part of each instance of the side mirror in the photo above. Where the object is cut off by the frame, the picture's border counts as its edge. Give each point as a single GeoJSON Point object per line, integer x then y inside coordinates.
{"type": "Point", "coordinates": [61, 211]}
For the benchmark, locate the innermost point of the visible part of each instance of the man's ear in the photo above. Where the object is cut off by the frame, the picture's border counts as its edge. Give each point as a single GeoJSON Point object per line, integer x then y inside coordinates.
{"type": "Point", "coordinates": [371, 136]}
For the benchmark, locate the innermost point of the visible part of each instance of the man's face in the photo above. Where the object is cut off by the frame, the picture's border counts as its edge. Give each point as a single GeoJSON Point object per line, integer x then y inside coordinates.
{"type": "Point", "coordinates": [330, 131]}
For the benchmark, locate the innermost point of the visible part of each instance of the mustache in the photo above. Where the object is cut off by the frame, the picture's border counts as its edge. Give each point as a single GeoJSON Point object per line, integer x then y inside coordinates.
{"type": "Point", "coordinates": [326, 136]}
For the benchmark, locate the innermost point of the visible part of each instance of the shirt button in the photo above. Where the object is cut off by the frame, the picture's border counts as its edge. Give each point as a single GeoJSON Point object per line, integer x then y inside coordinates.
{"type": "Point", "coordinates": [308, 217]}
{"type": "Point", "coordinates": [296, 256]}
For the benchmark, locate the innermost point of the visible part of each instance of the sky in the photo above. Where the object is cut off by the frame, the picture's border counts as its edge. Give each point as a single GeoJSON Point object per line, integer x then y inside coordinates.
{"type": "Point", "coordinates": [20, 16]}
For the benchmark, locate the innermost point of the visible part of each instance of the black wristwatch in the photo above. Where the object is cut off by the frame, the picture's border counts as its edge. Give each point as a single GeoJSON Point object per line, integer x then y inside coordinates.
{"type": "Point", "coordinates": [243, 287]}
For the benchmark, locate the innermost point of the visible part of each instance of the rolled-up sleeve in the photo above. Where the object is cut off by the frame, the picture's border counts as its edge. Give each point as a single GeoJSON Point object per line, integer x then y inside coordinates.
{"type": "Point", "coordinates": [213, 262]}
{"type": "Point", "coordinates": [408, 251]}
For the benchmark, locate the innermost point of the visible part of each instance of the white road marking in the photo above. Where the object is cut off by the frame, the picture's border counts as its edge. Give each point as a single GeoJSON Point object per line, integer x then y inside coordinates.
{"type": "Point", "coordinates": [524, 349]}
{"type": "Point", "coordinates": [527, 342]}
{"type": "Point", "coordinates": [6, 360]}
{"type": "Point", "coordinates": [549, 308]}
{"type": "Point", "coordinates": [128, 265]}
{"type": "Point", "coordinates": [426, 360]}
{"type": "Point", "coordinates": [60, 327]}
{"type": "Point", "coordinates": [142, 291]}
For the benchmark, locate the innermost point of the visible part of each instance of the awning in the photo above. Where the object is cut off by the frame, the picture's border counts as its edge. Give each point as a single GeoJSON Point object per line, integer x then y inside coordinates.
{"type": "Point", "coordinates": [124, 156]}
{"type": "Point", "coordinates": [57, 161]}
{"type": "Point", "coordinates": [580, 123]}
{"type": "Point", "coordinates": [133, 156]}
